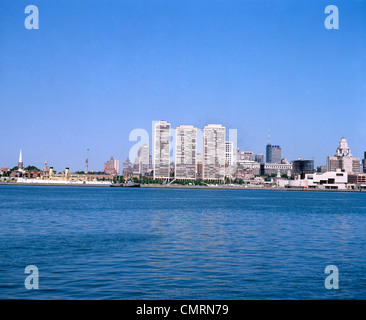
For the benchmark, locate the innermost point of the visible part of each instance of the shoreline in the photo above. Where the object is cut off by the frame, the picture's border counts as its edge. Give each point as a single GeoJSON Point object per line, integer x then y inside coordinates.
{"type": "Point", "coordinates": [51, 184]}
{"type": "Point", "coordinates": [250, 188]}
{"type": "Point", "coordinates": [221, 187]}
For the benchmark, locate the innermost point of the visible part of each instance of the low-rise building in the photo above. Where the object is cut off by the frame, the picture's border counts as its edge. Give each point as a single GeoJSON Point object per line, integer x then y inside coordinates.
{"type": "Point", "coordinates": [275, 168]}
{"type": "Point", "coordinates": [246, 167]}
{"type": "Point", "coordinates": [328, 180]}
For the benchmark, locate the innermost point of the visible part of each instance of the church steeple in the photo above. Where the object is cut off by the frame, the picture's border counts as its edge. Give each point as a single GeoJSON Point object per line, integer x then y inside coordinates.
{"type": "Point", "coordinates": [20, 162]}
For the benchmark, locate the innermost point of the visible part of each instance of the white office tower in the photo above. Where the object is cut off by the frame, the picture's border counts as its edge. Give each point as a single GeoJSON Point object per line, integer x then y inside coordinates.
{"type": "Point", "coordinates": [144, 163]}
{"type": "Point", "coordinates": [229, 153]}
{"type": "Point", "coordinates": [213, 152]}
{"type": "Point", "coordinates": [185, 152]}
{"type": "Point", "coordinates": [161, 158]}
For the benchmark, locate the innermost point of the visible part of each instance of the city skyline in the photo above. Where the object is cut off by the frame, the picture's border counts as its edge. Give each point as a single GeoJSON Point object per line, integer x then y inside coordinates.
{"type": "Point", "coordinates": [89, 87]}
{"type": "Point", "coordinates": [188, 155]}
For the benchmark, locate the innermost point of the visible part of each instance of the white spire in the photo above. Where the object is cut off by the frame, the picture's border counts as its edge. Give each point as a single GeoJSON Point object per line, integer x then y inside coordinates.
{"type": "Point", "coordinates": [20, 156]}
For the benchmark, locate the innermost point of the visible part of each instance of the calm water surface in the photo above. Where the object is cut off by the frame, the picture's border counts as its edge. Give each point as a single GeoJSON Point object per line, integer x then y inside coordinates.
{"type": "Point", "coordinates": [121, 243]}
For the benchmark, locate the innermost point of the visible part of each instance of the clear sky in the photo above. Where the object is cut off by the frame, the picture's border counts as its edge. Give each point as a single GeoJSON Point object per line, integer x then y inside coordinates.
{"type": "Point", "coordinates": [97, 69]}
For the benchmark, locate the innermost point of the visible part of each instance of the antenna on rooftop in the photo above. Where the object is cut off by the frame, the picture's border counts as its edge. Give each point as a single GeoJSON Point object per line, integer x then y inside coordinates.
{"type": "Point", "coordinates": [87, 160]}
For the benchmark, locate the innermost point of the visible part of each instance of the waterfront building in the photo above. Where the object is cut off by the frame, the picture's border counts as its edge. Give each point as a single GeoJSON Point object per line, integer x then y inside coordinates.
{"type": "Point", "coordinates": [111, 166]}
{"type": "Point", "coordinates": [275, 168]}
{"type": "Point", "coordinates": [144, 160]}
{"type": "Point", "coordinates": [343, 159]}
{"type": "Point", "coordinates": [273, 153]}
{"type": "Point", "coordinates": [185, 152]}
{"type": "Point", "coordinates": [357, 179]}
{"type": "Point", "coordinates": [364, 162]}
{"type": "Point", "coordinates": [259, 158]}
{"type": "Point", "coordinates": [302, 167]}
{"type": "Point", "coordinates": [53, 178]}
{"type": "Point", "coordinates": [328, 180]}
{"type": "Point", "coordinates": [4, 171]}
{"type": "Point", "coordinates": [171, 169]}
{"type": "Point", "coordinates": [161, 157]}
{"type": "Point", "coordinates": [199, 166]}
{"type": "Point", "coordinates": [213, 152]}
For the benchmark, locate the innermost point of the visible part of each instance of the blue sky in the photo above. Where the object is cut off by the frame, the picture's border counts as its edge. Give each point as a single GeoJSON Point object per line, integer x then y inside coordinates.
{"type": "Point", "coordinates": [95, 70]}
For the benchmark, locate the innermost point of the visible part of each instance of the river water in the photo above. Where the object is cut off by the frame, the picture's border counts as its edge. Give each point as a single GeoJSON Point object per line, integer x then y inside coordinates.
{"type": "Point", "coordinates": [147, 243]}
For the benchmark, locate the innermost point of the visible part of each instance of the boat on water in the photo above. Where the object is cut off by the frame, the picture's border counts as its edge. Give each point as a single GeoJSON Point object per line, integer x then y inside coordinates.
{"type": "Point", "coordinates": [127, 184]}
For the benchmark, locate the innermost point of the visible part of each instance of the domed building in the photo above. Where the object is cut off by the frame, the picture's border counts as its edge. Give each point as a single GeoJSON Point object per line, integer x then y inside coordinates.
{"type": "Point", "coordinates": [343, 159]}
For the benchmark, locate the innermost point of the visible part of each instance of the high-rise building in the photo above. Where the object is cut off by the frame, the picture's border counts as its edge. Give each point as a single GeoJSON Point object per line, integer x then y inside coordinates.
{"type": "Point", "coordinates": [343, 159]}
{"type": "Point", "coordinates": [144, 161]}
{"type": "Point", "coordinates": [161, 157]}
{"type": "Point", "coordinates": [112, 166]}
{"type": "Point", "coordinates": [213, 152]}
{"type": "Point", "coordinates": [259, 158]}
{"type": "Point", "coordinates": [185, 152]}
{"type": "Point", "coordinates": [364, 162]}
{"type": "Point", "coordinates": [273, 154]}
{"type": "Point", "coordinates": [229, 153]}
{"type": "Point", "coordinates": [199, 165]}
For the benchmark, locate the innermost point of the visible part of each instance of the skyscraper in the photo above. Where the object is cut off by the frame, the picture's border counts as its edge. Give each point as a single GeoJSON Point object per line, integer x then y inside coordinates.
{"type": "Point", "coordinates": [185, 152]}
{"type": "Point", "coordinates": [213, 152]}
{"type": "Point", "coordinates": [343, 159]}
{"type": "Point", "coordinates": [144, 163]}
{"type": "Point", "coordinates": [229, 153]}
{"type": "Point", "coordinates": [273, 154]}
{"type": "Point", "coordinates": [161, 158]}
{"type": "Point", "coordinates": [364, 162]}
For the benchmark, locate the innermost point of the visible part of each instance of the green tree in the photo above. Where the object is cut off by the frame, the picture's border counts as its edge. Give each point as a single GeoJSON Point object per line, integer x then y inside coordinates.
{"type": "Point", "coordinates": [32, 168]}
